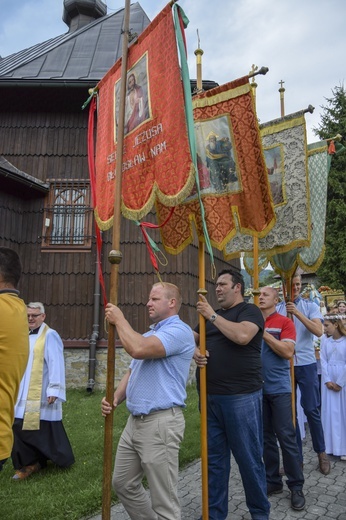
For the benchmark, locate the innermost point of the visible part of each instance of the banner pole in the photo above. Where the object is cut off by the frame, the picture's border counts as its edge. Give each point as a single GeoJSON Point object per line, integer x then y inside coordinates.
{"type": "Point", "coordinates": [287, 294]}
{"type": "Point", "coordinates": [255, 290]}
{"type": "Point", "coordinates": [202, 344]}
{"type": "Point", "coordinates": [114, 258]}
{"type": "Point", "coordinates": [289, 282]}
{"type": "Point", "coordinates": [254, 72]}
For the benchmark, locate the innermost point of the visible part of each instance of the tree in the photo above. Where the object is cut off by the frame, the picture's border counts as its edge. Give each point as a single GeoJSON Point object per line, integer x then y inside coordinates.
{"type": "Point", "coordinates": [268, 278]}
{"type": "Point", "coordinates": [333, 121]}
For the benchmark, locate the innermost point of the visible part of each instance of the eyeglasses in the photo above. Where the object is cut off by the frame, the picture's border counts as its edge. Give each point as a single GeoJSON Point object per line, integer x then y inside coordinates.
{"type": "Point", "coordinates": [34, 316]}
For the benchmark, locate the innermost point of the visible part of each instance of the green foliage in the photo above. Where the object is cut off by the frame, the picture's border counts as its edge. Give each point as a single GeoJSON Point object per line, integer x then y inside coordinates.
{"type": "Point", "coordinates": [269, 278]}
{"type": "Point", "coordinates": [333, 121]}
{"type": "Point", "coordinates": [266, 277]}
{"type": "Point", "coordinates": [190, 447]}
{"type": "Point", "coordinates": [76, 492]}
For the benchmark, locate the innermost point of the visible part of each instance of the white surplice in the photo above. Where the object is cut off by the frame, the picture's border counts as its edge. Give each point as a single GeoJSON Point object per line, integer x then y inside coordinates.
{"type": "Point", "coordinates": [333, 411]}
{"type": "Point", "coordinates": [53, 379]}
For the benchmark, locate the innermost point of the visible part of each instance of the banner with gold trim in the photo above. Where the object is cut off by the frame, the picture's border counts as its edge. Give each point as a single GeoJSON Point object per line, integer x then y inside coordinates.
{"type": "Point", "coordinates": [156, 160]}
{"type": "Point", "coordinates": [285, 150]}
{"type": "Point", "coordinates": [319, 161]}
{"type": "Point", "coordinates": [310, 258]}
{"type": "Point", "coordinates": [233, 180]}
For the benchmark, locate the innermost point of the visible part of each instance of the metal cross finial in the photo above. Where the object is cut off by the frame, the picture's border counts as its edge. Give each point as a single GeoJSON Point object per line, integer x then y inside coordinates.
{"type": "Point", "coordinates": [281, 83]}
{"type": "Point", "coordinates": [198, 41]}
{"type": "Point", "coordinates": [252, 72]}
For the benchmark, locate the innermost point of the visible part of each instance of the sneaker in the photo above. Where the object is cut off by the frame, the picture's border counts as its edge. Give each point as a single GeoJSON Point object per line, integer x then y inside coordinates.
{"type": "Point", "coordinates": [297, 500]}
{"type": "Point", "coordinates": [26, 471]}
{"type": "Point", "coordinates": [343, 457]}
{"type": "Point", "coordinates": [274, 489]}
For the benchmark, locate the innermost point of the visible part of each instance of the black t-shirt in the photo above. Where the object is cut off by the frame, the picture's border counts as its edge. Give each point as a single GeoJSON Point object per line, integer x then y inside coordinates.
{"type": "Point", "coordinates": [233, 368]}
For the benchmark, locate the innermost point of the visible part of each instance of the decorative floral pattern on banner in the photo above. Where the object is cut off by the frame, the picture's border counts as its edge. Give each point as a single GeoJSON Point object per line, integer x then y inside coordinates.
{"type": "Point", "coordinates": [319, 164]}
{"type": "Point", "coordinates": [285, 138]}
{"type": "Point", "coordinates": [232, 173]}
{"type": "Point", "coordinates": [310, 258]}
{"type": "Point", "coordinates": [156, 158]}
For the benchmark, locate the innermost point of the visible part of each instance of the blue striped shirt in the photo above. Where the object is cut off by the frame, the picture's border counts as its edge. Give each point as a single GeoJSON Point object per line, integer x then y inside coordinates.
{"type": "Point", "coordinates": [159, 384]}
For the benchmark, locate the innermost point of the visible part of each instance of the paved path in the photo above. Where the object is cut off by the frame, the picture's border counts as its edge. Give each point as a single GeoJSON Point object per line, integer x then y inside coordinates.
{"type": "Point", "coordinates": [325, 495]}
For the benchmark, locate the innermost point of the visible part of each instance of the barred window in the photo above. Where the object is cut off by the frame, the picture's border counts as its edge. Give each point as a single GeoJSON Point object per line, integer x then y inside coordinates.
{"type": "Point", "coordinates": [67, 219]}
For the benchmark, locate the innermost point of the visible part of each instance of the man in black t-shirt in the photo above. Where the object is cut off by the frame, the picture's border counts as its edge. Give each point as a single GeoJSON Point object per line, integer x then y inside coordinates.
{"type": "Point", "coordinates": [234, 396]}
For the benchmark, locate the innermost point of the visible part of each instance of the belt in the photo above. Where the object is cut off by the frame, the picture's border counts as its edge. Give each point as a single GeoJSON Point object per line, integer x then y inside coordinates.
{"type": "Point", "coordinates": [142, 416]}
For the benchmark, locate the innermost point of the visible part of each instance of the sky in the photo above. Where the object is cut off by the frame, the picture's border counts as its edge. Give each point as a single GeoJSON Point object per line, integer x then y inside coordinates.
{"type": "Point", "coordinates": [302, 42]}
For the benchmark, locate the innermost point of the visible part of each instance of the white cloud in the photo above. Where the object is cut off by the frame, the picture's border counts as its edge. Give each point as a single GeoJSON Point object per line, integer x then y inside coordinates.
{"type": "Point", "coordinates": [28, 22]}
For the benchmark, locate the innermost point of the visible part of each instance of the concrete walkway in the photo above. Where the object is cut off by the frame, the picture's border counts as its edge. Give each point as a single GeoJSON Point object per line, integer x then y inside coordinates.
{"type": "Point", "coordinates": [325, 495]}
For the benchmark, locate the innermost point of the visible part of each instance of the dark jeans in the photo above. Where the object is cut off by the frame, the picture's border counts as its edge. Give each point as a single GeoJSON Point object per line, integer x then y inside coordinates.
{"type": "Point", "coordinates": [278, 425]}
{"type": "Point", "coordinates": [307, 379]}
{"type": "Point", "coordinates": [235, 425]}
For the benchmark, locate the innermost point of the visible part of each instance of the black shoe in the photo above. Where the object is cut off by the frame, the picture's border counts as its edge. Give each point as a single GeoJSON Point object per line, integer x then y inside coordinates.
{"type": "Point", "coordinates": [274, 489]}
{"type": "Point", "coordinates": [297, 500]}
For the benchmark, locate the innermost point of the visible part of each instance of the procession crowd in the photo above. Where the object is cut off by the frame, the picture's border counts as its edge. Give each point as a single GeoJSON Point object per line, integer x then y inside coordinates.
{"type": "Point", "coordinates": [253, 362]}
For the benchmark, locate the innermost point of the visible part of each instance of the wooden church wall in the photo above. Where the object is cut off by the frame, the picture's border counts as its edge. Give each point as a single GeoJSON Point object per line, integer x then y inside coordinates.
{"type": "Point", "coordinates": [48, 140]}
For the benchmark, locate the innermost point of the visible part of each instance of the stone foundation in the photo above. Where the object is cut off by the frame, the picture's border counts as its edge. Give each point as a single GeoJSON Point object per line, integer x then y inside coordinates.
{"type": "Point", "coordinates": [77, 368]}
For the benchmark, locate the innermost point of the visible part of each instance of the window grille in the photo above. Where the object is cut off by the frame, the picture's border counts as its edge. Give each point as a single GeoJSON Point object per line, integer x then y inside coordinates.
{"type": "Point", "coordinates": [67, 219]}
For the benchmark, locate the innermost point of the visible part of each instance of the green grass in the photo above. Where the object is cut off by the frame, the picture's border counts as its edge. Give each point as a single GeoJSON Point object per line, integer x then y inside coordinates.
{"type": "Point", "coordinates": [74, 493]}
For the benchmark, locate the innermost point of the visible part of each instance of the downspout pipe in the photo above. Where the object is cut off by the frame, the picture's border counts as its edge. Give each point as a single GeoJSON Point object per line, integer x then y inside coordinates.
{"type": "Point", "coordinates": [95, 332]}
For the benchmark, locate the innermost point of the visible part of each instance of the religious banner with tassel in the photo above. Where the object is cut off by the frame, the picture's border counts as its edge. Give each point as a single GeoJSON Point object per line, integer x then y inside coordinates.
{"type": "Point", "coordinates": [233, 180]}
{"type": "Point", "coordinates": [156, 156]}
{"type": "Point", "coordinates": [309, 258]}
{"type": "Point", "coordinates": [285, 149]}
{"type": "Point", "coordinates": [319, 161]}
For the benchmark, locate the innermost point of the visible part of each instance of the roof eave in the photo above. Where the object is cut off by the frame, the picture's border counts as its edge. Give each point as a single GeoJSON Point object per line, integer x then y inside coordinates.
{"type": "Point", "coordinates": [49, 82]}
{"type": "Point", "coordinates": [25, 179]}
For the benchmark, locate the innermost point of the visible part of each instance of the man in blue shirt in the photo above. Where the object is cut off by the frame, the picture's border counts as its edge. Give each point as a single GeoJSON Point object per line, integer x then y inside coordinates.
{"type": "Point", "coordinates": [277, 349]}
{"type": "Point", "coordinates": [155, 392]}
{"type": "Point", "coordinates": [308, 323]}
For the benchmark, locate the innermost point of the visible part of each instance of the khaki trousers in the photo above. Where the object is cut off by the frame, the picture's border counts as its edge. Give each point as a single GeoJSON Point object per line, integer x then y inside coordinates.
{"type": "Point", "coordinates": [149, 445]}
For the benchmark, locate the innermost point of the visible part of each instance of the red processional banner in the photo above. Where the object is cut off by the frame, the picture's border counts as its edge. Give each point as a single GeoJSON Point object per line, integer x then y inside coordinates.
{"type": "Point", "coordinates": [156, 163]}
{"type": "Point", "coordinates": [232, 172]}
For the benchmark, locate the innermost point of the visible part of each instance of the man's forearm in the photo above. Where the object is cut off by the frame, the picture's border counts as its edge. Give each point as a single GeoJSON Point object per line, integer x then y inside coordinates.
{"type": "Point", "coordinates": [128, 337]}
{"type": "Point", "coordinates": [315, 327]}
{"type": "Point", "coordinates": [138, 346]}
{"type": "Point", "coordinates": [282, 348]}
{"type": "Point", "coordinates": [240, 333]}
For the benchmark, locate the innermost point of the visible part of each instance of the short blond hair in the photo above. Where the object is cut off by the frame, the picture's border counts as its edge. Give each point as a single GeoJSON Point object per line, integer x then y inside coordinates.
{"type": "Point", "coordinates": [171, 291]}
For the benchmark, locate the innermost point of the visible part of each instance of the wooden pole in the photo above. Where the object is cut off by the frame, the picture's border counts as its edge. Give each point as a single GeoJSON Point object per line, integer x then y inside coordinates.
{"type": "Point", "coordinates": [203, 387]}
{"type": "Point", "coordinates": [114, 258]}
{"type": "Point", "coordinates": [202, 344]}
{"type": "Point", "coordinates": [254, 72]}
{"type": "Point", "coordinates": [288, 280]}
{"type": "Point", "coordinates": [287, 294]}
{"type": "Point", "coordinates": [293, 386]}
{"type": "Point", "coordinates": [255, 291]}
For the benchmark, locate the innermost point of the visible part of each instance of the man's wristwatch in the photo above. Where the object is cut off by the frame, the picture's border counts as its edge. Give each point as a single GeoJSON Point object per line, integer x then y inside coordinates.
{"type": "Point", "coordinates": [213, 318]}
